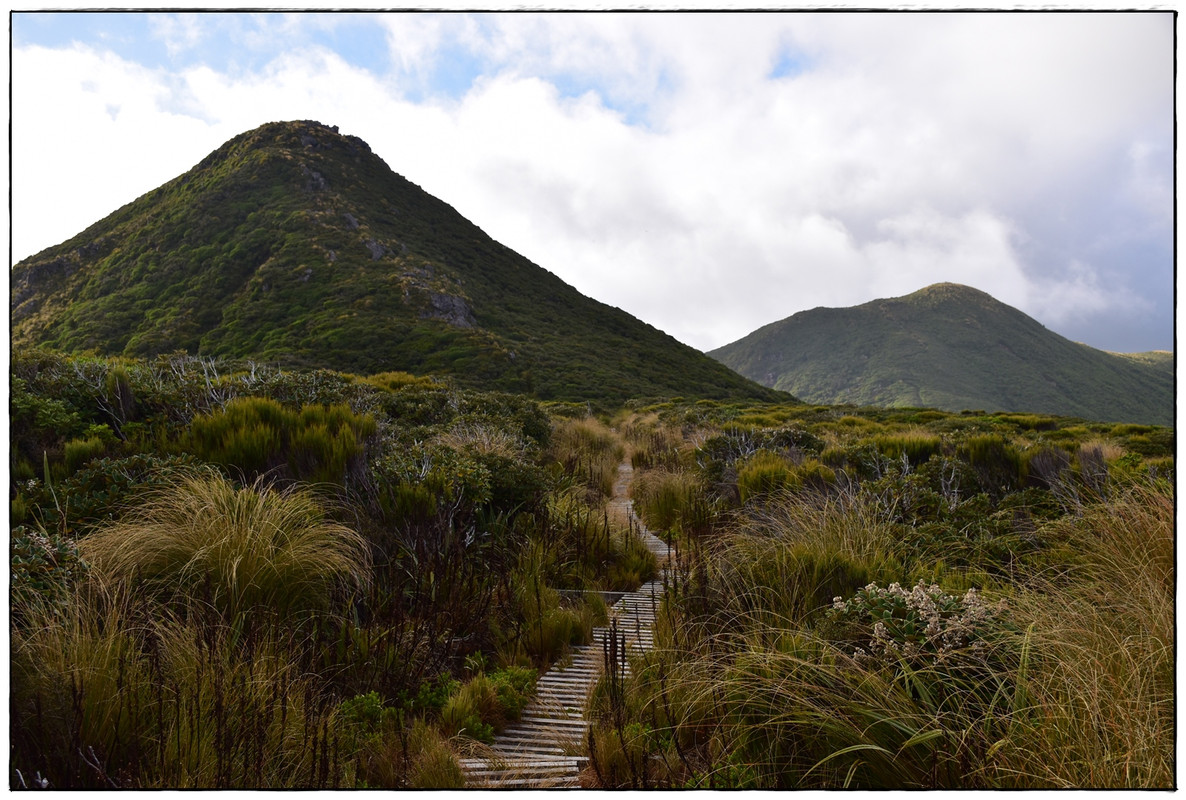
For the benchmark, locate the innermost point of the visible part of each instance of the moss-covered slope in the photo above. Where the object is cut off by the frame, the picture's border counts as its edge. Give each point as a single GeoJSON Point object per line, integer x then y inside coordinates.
{"type": "Point", "coordinates": [297, 245]}
{"type": "Point", "coordinates": [951, 347]}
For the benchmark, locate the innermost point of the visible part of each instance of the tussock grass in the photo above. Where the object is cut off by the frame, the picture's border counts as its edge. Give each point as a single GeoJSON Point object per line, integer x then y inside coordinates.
{"type": "Point", "coordinates": [483, 439]}
{"type": "Point", "coordinates": [235, 549]}
{"type": "Point", "coordinates": [665, 498]}
{"type": "Point", "coordinates": [109, 693]}
{"type": "Point", "coordinates": [1070, 685]}
{"type": "Point", "coordinates": [1102, 704]}
{"type": "Point", "coordinates": [589, 450]}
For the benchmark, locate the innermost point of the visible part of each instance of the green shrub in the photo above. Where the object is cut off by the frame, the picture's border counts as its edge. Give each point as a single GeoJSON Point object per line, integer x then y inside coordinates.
{"type": "Point", "coordinates": [394, 381]}
{"type": "Point", "coordinates": [257, 435]}
{"type": "Point", "coordinates": [102, 491]}
{"type": "Point", "coordinates": [924, 623]}
{"type": "Point", "coordinates": [998, 464]}
{"type": "Point", "coordinates": [917, 448]}
{"type": "Point", "coordinates": [515, 686]}
{"type": "Point", "coordinates": [763, 474]}
{"type": "Point", "coordinates": [81, 451]}
{"type": "Point", "coordinates": [432, 694]}
{"type": "Point", "coordinates": [43, 569]}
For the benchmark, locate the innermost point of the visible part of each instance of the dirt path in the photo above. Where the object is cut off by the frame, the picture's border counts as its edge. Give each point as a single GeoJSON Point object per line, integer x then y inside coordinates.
{"type": "Point", "coordinates": [547, 747]}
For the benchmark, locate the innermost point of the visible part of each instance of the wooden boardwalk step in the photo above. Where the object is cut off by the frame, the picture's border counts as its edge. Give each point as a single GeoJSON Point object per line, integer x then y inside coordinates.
{"type": "Point", "coordinates": [537, 752]}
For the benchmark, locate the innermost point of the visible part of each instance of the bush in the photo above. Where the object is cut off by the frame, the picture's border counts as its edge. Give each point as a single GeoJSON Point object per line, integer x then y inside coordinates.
{"type": "Point", "coordinates": [81, 451]}
{"type": "Point", "coordinates": [762, 475]}
{"type": "Point", "coordinates": [44, 568]}
{"type": "Point", "coordinates": [916, 447]}
{"type": "Point", "coordinates": [924, 623]}
{"type": "Point", "coordinates": [258, 435]}
{"type": "Point", "coordinates": [997, 464]}
{"type": "Point", "coordinates": [101, 492]}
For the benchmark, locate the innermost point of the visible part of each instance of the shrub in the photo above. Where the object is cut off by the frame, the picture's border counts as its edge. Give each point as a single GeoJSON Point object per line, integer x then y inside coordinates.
{"type": "Point", "coordinates": [102, 491]}
{"type": "Point", "coordinates": [44, 568]}
{"type": "Point", "coordinates": [761, 475]}
{"type": "Point", "coordinates": [80, 451]}
{"type": "Point", "coordinates": [922, 623]}
{"type": "Point", "coordinates": [394, 381]}
{"type": "Point", "coordinates": [257, 435]}
{"type": "Point", "coordinates": [997, 464]}
{"type": "Point", "coordinates": [514, 686]}
{"type": "Point", "coordinates": [916, 447]}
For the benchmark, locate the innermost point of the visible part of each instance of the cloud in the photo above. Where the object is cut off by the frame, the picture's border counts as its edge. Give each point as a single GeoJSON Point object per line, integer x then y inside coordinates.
{"type": "Point", "coordinates": [178, 32]}
{"type": "Point", "coordinates": [707, 173]}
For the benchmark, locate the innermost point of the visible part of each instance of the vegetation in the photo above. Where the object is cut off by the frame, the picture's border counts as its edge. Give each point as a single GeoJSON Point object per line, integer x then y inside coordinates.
{"type": "Point", "coordinates": [951, 347]}
{"type": "Point", "coordinates": [233, 576]}
{"type": "Point", "coordinates": [228, 575]}
{"type": "Point", "coordinates": [948, 601]}
{"type": "Point", "coordinates": [297, 246]}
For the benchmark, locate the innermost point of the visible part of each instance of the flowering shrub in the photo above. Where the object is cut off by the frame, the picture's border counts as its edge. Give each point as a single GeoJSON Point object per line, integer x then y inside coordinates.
{"type": "Point", "coordinates": [43, 566]}
{"type": "Point", "coordinates": [923, 622]}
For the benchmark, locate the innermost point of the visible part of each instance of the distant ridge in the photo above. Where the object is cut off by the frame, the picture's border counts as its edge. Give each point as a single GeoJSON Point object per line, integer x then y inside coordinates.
{"type": "Point", "coordinates": [295, 244]}
{"type": "Point", "coordinates": [951, 347]}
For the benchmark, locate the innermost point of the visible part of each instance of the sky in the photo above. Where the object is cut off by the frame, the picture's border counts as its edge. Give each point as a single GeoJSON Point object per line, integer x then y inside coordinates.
{"type": "Point", "coordinates": [708, 173]}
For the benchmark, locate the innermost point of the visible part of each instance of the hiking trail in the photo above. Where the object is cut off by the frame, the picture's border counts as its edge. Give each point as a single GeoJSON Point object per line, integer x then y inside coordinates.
{"type": "Point", "coordinates": [546, 748]}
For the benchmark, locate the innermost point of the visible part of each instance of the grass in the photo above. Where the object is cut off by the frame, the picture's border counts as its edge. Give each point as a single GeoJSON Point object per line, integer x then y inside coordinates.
{"type": "Point", "coordinates": [109, 694]}
{"type": "Point", "coordinates": [664, 498]}
{"type": "Point", "coordinates": [238, 550]}
{"type": "Point", "coordinates": [1061, 677]}
{"type": "Point", "coordinates": [588, 449]}
{"type": "Point", "coordinates": [1103, 705]}
{"type": "Point", "coordinates": [221, 635]}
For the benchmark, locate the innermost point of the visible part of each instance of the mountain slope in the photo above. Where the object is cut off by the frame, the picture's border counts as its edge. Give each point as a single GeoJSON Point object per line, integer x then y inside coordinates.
{"type": "Point", "coordinates": [951, 347]}
{"type": "Point", "coordinates": [294, 244]}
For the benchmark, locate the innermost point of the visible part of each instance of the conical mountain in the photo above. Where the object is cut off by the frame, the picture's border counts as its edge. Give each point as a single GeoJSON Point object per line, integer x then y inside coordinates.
{"type": "Point", "coordinates": [950, 347]}
{"type": "Point", "coordinates": [297, 245]}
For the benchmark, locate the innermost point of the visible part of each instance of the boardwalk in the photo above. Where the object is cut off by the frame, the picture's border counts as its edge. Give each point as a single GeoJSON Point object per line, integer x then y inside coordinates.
{"type": "Point", "coordinates": [546, 748]}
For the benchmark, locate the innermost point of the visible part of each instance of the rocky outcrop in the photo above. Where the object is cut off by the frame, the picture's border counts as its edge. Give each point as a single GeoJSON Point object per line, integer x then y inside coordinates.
{"type": "Point", "coordinates": [450, 309]}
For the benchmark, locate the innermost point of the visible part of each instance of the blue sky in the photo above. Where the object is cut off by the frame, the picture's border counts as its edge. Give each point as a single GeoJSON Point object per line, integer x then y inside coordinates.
{"type": "Point", "coordinates": [708, 173]}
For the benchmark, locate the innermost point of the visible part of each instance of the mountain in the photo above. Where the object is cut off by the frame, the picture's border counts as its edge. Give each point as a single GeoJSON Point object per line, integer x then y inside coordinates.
{"type": "Point", "coordinates": [951, 347]}
{"type": "Point", "coordinates": [297, 245]}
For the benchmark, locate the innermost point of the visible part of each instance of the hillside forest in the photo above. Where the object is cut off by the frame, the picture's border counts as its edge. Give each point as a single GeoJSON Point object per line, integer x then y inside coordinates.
{"type": "Point", "coordinates": [228, 575]}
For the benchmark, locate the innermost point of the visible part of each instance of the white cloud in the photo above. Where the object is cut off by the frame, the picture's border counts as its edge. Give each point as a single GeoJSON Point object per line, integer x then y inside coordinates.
{"type": "Point", "coordinates": [179, 32]}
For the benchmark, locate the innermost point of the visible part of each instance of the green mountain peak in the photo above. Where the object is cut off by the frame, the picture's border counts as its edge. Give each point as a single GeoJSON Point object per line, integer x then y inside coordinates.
{"type": "Point", "coordinates": [951, 347]}
{"type": "Point", "coordinates": [295, 244]}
